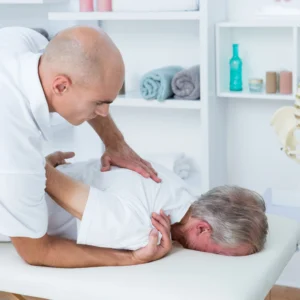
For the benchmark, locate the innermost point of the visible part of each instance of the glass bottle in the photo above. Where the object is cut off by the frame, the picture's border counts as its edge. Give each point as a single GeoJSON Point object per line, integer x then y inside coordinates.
{"type": "Point", "coordinates": [236, 66]}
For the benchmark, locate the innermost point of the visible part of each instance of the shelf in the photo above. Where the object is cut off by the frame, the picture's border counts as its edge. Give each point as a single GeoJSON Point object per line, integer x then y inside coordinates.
{"type": "Point", "coordinates": [134, 100]}
{"type": "Point", "coordinates": [257, 24]}
{"type": "Point", "coordinates": [247, 95]}
{"type": "Point", "coordinates": [30, 1]}
{"type": "Point", "coordinates": [67, 16]}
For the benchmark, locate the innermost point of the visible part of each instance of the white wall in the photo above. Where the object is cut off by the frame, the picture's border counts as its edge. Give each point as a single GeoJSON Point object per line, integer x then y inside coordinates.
{"type": "Point", "coordinates": [254, 156]}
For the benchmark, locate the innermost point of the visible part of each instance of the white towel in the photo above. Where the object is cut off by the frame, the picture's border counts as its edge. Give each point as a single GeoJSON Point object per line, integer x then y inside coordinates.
{"type": "Point", "coordinates": [155, 5]}
{"type": "Point", "coordinates": [176, 162]}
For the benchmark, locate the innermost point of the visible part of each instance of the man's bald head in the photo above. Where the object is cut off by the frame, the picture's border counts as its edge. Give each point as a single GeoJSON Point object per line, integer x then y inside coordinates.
{"type": "Point", "coordinates": [82, 72]}
{"type": "Point", "coordinates": [85, 54]}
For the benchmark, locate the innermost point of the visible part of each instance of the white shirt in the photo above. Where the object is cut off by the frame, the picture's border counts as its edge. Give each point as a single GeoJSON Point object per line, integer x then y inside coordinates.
{"type": "Point", "coordinates": [119, 206]}
{"type": "Point", "coordinates": [24, 124]}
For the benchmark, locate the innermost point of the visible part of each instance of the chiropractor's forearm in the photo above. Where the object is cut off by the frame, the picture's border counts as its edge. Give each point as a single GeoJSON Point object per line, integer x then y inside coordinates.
{"type": "Point", "coordinates": [107, 130]}
{"type": "Point", "coordinates": [56, 252]}
{"type": "Point", "coordinates": [66, 192]}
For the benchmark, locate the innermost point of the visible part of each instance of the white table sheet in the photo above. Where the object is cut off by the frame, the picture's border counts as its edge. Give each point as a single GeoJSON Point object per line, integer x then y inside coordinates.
{"type": "Point", "coordinates": [184, 274]}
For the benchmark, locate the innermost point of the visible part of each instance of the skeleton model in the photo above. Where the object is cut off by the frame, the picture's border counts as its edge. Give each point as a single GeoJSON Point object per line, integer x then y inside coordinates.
{"type": "Point", "coordinates": [286, 123]}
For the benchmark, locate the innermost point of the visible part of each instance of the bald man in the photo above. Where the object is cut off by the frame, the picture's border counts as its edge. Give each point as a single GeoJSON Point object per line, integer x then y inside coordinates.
{"type": "Point", "coordinates": [78, 74]}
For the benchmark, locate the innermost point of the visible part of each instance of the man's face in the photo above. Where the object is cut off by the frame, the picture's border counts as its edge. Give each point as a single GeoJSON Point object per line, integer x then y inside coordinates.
{"type": "Point", "coordinates": [83, 104]}
{"type": "Point", "coordinates": [198, 237]}
{"type": "Point", "coordinates": [78, 104]}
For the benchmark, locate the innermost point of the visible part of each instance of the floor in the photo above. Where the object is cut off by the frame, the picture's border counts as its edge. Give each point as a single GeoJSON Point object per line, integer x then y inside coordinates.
{"type": "Point", "coordinates": [277, 293]}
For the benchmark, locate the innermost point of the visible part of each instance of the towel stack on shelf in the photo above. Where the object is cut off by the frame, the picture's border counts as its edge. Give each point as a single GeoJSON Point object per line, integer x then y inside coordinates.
{"type": "Point", "coordinates": [155, 5]}
{"type": "Point", "coordinates": [171, 81]}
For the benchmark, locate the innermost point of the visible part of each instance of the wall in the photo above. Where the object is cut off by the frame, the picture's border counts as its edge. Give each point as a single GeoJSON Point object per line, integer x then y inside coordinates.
{"type": "Point", "coordinates": [254, 156]}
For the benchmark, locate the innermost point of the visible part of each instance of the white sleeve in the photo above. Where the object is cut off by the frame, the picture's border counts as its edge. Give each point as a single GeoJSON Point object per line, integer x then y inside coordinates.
{"type": "Point", "coordinates": [18, 40]}
{"type": "Point", "coordinates": [110, 222]}
{"type": "Point", "coordinates": [23, 210]}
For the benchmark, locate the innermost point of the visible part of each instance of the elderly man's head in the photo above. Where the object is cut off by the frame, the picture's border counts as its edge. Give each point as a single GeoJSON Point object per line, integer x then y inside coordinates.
{"type": "Point", "coordinates": [82, 71]}
{"type": "Point", "coordinates": [227, 220]}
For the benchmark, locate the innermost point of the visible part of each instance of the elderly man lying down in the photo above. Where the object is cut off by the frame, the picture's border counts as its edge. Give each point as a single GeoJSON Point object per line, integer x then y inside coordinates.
{"type": "Point", "coordinates": [114, 209]}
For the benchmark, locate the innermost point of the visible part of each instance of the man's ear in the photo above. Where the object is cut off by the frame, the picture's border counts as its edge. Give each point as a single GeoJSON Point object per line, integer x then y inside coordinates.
{"type": "Point", "coordinates": [203, 227]}
{"type": "Point", "coordinates": [61, 84]}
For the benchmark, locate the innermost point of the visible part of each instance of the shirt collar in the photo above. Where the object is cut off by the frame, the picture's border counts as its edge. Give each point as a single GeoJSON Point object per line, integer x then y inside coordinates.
{"type": "Point", "coordinates": [34, 92]}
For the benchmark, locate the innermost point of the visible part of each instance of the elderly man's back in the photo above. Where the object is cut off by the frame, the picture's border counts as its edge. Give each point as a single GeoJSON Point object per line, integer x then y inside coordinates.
{"type": "Point", "coordinates": [119, 215]}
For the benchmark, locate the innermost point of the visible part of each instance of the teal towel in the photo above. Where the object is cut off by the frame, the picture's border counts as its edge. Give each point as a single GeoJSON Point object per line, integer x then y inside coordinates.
{"type": "Point", "coordinates": [157, 84]}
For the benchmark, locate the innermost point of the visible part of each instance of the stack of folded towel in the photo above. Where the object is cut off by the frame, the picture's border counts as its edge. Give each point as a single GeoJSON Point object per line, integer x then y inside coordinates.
{"type": "Point", "coordinates": [171, 81]}
{"type": "Point", "coordinates": [155, 5]}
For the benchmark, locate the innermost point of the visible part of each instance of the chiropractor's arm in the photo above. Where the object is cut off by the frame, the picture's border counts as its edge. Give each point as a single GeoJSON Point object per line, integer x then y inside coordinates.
{"type": "Point", "coordinates": [117, 150]}
{"type": "Point", "coordinates": [57, 252]}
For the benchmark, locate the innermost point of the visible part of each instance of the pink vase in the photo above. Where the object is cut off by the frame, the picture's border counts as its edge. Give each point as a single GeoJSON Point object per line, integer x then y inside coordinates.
{"type": "Point", "coordinates": [86, 5]}
{"type": "Point", "coordinates": [104, 5]}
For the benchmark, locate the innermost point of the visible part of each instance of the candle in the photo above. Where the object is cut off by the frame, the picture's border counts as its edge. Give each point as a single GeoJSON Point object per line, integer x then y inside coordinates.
{"type": "Point", "coordinates": [104, 5]}
{"type": "Point", "coordinates": [86, 5]}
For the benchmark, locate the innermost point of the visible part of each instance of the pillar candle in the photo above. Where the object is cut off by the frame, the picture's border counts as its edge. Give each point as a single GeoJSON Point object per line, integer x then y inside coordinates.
{"type": "Point", "coordinates": [286, 82]}
{"type": "Point", "coordinates": [271, 82]}
{"type": "Point", "coordinates": [86, 5]}
{"type": "Point", "coordinates": [104, 5]}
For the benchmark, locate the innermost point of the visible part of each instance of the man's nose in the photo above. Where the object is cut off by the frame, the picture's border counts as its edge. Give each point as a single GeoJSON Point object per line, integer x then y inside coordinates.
{"type": "Point", "coordinates": [102, 110]}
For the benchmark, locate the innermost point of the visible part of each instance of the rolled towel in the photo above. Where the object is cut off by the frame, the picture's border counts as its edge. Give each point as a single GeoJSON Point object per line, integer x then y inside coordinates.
{"type": "Point", "coordinates": [186, 84]}
{"type": "Point", "coordinates": [156, 84]}
{"type": "Point", "coordinates": [178, 163]}
{"type": "Point", "coordinates": [42, 32]}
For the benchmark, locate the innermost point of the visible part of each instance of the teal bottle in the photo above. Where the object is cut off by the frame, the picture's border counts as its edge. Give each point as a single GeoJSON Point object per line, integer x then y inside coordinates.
{"type": "Point", "coordinates": [236, 67]}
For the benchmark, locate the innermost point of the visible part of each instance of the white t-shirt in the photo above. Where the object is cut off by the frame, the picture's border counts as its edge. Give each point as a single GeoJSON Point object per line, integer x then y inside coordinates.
{"type": "Point", "coordinates": [119, 206]}
{"type": "Point", "coordinates": [24, 124]}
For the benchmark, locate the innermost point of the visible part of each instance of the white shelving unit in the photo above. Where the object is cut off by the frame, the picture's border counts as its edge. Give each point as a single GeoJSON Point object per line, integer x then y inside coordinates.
{"type": "Point", "coordinates": [122, 16]}
{"type": "Point", "coordinates": [30, 1]}
{"type": "Point", "coordinates": [135, 100]}
{"type": "Point", "coordinates": [266, 34]}
{"type": "Point", "coordinates": [247, 95]}
{"type": "Point", "coordinates": [202, 114]}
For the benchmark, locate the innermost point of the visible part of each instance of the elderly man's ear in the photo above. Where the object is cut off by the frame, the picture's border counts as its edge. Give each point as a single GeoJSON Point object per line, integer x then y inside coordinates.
{"type": "Point", "coordinates": [203, 228]}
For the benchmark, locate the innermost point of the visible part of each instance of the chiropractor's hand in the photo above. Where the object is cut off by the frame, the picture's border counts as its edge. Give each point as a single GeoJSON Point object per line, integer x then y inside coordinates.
{"type": "Point", "coordinates": [123, 156]}
{"type": "Point", "coordinates": [58, 158]}
{"type": "Point", "coordinates": [152, 251]}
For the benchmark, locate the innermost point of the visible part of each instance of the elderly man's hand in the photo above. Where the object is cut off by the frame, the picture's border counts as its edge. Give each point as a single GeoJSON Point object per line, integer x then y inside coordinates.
{"type": "Point", "coordinates": [58, 158]}
{"type": "Point", "coordinates": [152, 251]}
{"type": "Point", "coordinates": [123, 156]}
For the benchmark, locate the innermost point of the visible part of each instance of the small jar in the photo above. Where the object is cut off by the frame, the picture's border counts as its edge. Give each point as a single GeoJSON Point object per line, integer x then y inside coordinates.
{"type": "Point", "coordinates": [256, 85]}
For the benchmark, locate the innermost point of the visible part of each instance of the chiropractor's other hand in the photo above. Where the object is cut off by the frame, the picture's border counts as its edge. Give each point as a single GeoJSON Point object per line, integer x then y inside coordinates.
{"type": "Point", "coordinates": [121, 155]}
{"type": "Point", "coordinates": [58, 158]}
{"type": "Point", "coordinates": [152, 251]}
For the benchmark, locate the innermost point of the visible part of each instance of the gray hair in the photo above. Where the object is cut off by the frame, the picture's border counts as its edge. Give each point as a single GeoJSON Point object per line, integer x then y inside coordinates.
{"type": "Point", "coordinates": [236, 216]}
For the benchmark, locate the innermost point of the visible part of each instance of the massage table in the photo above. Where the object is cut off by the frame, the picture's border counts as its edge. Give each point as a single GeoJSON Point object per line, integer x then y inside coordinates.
{"type": "Point", "coordinates": [183, 274]}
